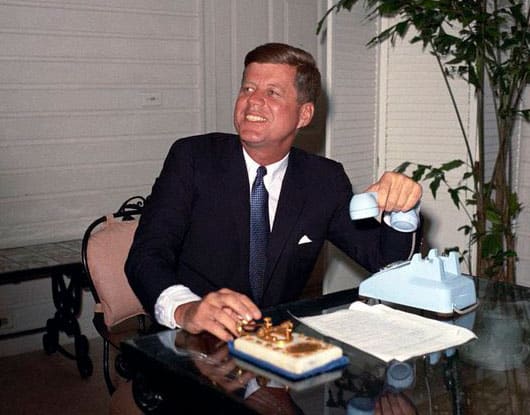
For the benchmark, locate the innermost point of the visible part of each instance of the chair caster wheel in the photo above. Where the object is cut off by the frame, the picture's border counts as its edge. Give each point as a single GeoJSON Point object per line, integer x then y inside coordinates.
{"type": "Point", "coordinates": [122, 367]}
{"type": "Point", "coordinates": [147, 398]}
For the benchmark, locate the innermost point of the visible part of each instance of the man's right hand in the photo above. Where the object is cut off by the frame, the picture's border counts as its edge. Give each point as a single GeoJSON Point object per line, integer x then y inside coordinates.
{"type": "Point", "coordinates": [218, 313]}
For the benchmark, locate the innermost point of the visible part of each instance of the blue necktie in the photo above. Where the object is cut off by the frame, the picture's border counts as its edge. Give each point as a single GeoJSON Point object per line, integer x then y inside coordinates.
{"type": "Point", "coordinates": [259, 233]}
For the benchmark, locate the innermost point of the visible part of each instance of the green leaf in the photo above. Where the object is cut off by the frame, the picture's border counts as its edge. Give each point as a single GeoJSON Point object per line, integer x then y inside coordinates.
{"type": "Point", "coordinates": [450, 165]}
{"type": "Point", "coordinates": [466, 228]}
{"type": "Point", "coordinates": [387, 7]}
{"type": "Point", "coordinates": [514, 207]}
{"type": "Point", "coordinates": [401, 28]}
{"type": "Point", "coordinates": [510, 254]}
{"type": "Point", "coordinates": [435, 184]}
{"type": "Point", "coordinates": [491, 245]}
{"type": "Point", "coordinates": [346, 4]}
{"type": "Point", "coordinates": [419, 172]}
{"type": "Point", "coordinates": [434, 172]}
{"type": "Point", "coordinates": [455, 197]}
{"type": "Point", "coordinates": [493, 216]}
{"type": "Point", "coordinates": [402, 167]}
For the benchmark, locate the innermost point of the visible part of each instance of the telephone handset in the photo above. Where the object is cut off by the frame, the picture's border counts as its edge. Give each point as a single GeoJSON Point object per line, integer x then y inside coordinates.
{"type": "Point", "coordinates": [364, 205]}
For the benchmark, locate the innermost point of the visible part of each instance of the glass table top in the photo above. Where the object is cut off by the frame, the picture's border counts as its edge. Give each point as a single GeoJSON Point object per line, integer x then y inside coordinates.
{"type": "Point", "coordinates": [489, 375]}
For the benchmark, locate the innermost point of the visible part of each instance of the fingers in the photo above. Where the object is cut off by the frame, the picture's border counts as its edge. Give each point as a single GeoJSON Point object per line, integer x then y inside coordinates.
{"type": "Point", "coordinates": [240, 304]}
{"type": "Point", "coordinates": [199, 316]}
{"type": "Point", "coordinates": [223, 371]}
{"type": "Point", "coordinates": [218, 313]}
{"type": "Point", "coordinates": [396, 192]}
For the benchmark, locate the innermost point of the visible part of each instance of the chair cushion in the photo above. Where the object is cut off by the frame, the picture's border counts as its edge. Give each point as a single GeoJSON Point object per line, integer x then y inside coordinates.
{"type": "Point", "coordinates": [107, 251]}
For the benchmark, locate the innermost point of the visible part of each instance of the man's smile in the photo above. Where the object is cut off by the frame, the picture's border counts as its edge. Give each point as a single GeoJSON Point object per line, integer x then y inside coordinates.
{"type": "Point", "coordinates": [254, 118]}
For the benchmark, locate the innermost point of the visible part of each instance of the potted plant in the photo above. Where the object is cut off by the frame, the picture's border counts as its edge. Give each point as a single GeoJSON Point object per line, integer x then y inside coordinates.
{"type": "Point", "coordinates": [487, 44]}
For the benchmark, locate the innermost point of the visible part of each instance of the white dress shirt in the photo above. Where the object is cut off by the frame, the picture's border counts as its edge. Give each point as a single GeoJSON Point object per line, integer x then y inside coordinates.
{"type": "Point", "coordinates": [176, 295]}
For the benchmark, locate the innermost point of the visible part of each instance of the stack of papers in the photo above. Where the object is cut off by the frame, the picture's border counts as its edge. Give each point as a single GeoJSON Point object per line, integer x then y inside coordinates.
{"type": "Point", "coordinates": [386, 333]}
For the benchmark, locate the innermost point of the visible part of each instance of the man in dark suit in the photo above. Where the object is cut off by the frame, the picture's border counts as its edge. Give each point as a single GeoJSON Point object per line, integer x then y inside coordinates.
{"type": "Point", "coordinates": [189, 264]}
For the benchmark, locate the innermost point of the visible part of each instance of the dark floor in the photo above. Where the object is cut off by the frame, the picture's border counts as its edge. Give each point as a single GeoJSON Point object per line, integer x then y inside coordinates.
{"type": "Point", "coordinates": [37, 383]}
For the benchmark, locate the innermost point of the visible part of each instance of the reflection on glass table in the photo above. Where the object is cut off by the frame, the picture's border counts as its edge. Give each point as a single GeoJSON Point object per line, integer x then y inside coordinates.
{"type": "Point", "coordinates": [489, 375]}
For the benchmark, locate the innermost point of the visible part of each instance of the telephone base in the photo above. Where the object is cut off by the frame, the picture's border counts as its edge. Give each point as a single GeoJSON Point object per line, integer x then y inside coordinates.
{"type": "Point", "coordinates": [434, 283]}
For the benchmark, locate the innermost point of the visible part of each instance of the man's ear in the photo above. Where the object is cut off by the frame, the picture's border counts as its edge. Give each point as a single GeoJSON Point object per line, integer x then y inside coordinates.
{"type": "Point", "coordinates": [306, 113]}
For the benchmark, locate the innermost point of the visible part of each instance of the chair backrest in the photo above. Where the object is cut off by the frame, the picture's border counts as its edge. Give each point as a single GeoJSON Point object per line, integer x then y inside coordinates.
{"type": "Point", "coordinates": [105, 247]}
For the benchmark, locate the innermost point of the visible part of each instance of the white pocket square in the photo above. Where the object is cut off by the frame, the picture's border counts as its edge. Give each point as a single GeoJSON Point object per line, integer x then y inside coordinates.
{"type": "Point", "coordinates": [304, 240]}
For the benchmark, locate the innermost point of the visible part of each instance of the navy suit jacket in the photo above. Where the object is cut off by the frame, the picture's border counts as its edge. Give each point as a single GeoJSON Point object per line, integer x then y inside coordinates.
{"type": "Point", "coordinates": [195, 226]}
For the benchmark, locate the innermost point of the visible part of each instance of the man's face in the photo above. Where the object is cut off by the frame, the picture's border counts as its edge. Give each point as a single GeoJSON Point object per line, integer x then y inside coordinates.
{"type": "Point", "coordinates": [267, 113]}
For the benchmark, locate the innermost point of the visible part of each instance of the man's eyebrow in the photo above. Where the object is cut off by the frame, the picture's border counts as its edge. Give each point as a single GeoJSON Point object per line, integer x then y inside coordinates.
{"type": "Point", "coordinates": [276, 86]}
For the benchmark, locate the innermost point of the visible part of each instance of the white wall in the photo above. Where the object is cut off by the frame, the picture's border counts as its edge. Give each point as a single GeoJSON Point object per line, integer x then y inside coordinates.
{"type": "Point", "coordinates": [92, 94]}
{"type": "Point", "coordinates": [419, 125]}
{"type": "Point", "coordinates": [351, 84]}
{"type": "Point", "coordinates": [78, 131]}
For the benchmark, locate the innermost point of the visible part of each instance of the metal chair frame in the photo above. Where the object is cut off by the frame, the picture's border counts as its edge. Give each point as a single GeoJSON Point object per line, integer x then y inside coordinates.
{"type": "Point", "coordinates": [129, 210]}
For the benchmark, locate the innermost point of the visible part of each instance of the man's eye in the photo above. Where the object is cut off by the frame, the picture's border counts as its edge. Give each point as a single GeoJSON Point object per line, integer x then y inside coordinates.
{"type": "Point", "coordinates": [274, 93]}
{"type": "Point", "coordinates": [247, 89]}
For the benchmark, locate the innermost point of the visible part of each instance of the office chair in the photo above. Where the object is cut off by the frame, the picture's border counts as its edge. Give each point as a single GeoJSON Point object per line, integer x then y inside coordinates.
{"type": "Point", "coordinates": [118, 313]}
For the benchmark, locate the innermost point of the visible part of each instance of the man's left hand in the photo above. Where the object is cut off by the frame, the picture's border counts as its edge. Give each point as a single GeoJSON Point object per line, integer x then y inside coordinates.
{"type": "Point", "coordinates": [396, 192]}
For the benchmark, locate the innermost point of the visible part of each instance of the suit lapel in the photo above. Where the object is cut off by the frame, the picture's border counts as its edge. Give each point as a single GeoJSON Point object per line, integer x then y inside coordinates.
{"type": "Point", "coordinates": [290, 205]}
{"type": "Point", "coordinates": [235, 181]}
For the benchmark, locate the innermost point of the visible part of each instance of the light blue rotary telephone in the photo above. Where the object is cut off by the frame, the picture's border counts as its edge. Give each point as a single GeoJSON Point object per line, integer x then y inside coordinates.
{"type": "Point", "coordinates": [434, 283]}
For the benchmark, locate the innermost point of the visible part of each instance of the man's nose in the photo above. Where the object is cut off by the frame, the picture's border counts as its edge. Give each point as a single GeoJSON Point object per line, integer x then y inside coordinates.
{"type": "Point", "coordinates": [256, 98]}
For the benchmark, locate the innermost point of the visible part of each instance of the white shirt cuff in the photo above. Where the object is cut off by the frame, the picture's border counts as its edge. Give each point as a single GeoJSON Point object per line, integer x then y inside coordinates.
{"type": "Point", "coordinates": [171, 298]}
